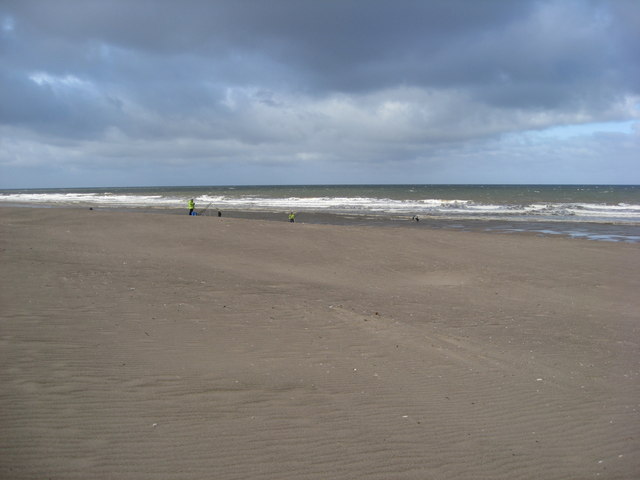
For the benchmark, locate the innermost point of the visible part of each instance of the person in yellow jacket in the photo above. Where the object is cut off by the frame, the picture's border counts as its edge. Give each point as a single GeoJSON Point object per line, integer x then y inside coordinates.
{"type": "Point", "coordinates": [292, 217]}
{"type": "Point", "coordinates": [192, 206]}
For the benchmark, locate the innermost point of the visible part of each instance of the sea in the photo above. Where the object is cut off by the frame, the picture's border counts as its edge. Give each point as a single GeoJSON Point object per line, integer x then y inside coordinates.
{"type": "Point", "coordinates": [593, 212]}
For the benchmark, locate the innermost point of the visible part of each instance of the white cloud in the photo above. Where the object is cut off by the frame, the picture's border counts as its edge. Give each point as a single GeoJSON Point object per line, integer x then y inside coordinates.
{"type": "Point", "coordinates": [8, 24]}
{"type": "Point", "coordinates": [59, 82]}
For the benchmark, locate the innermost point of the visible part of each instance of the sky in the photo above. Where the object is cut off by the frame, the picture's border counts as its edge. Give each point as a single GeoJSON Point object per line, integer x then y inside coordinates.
{"type": "Point", "coordinates": [254, 92]}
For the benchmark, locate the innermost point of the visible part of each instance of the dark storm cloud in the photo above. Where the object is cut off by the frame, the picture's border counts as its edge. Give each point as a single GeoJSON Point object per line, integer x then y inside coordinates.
{"type": "Point", "coordinates": [297, 80]}
{"type": "Point", "coordinates": [348, 45]}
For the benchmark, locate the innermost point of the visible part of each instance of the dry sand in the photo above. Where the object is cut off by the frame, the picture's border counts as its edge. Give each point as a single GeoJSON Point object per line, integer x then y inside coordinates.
{"type": "Point", "coordinates": [141, 346]}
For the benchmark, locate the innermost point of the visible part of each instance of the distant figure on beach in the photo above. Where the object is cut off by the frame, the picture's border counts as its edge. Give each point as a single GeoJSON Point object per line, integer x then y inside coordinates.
{"type": "Point", "coordinates": [219, 213]}
{"type": "Point", "coordinates": [416, 218]}
{"type": "Point", "coordinates": [292, 217]}
{"type": "Point", "coordinates": [192, 206]}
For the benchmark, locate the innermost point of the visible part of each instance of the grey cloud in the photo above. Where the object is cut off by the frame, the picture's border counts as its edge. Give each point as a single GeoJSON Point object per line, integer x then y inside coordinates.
{"type": "Point", "coordinates": [292, 80]}
{"type": "Point", "coordinates": [346, 46]}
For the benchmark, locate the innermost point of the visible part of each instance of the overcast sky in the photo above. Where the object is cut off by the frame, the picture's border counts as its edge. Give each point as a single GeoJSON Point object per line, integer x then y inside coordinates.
{"type": "Point", "coordinates": [219, 92]}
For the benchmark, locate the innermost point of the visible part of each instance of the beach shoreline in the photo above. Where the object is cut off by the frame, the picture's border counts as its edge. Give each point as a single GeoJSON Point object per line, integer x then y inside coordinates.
{"type": "Point", "coordinates": [596, 231]}
{"type": "Point", "coordinates": [166, 346]}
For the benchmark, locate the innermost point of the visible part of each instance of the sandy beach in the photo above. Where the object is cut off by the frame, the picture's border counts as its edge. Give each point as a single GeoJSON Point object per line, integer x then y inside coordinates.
{"type": "Point", "coordinates": [151, 346]}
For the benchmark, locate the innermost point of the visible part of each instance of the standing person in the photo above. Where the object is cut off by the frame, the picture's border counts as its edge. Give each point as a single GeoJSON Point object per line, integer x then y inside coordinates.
{"type": "Point", "coordinates": [192, 206]}
{"type": "Point", "coordinates": [292, 217]}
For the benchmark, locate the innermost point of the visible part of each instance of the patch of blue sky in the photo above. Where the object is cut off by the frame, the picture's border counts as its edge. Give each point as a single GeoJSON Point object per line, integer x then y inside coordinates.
{"type": "Point", "coordinates": [586, 129]}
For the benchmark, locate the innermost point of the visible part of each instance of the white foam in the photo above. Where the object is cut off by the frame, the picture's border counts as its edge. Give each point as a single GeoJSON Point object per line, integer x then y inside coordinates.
{"type": "Point", "coordinates": [461, 209]}
{"type": "Point", "coordinates": [87, 199]}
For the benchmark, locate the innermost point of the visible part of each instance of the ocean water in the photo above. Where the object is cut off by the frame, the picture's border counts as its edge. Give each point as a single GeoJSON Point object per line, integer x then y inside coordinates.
{"type": "Point", "coordinates": [597, 212]}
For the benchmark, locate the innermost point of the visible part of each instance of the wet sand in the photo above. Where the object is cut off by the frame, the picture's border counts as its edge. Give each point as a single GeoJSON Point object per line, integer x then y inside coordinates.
{"type": "Point", "coordinates": [138, 346]}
